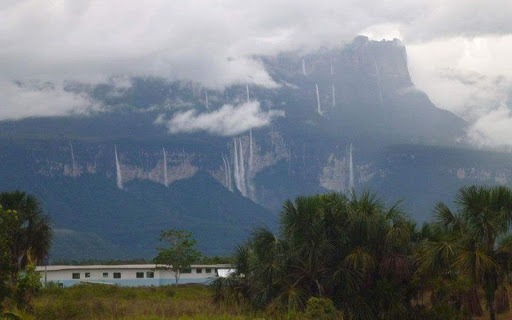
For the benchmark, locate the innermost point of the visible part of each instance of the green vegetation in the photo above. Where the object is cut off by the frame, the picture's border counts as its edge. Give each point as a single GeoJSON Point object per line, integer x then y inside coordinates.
{"type": "Point", "coordinates": [113, 302]}
{"type": "Point", "coordinates": [335, 257]}
{"type": "Point", "coordinates": [30, 236]}
{"type": "Point", "coordinates": [469, 251]}
{"type": "Point", "coordinates": [25, 236]}
{"type": "Point", "coordinates": [216, 260]}
{"type": "Point", "coordinates": [180, 252]}
{"type": "Point", "coordinates": [353, 251]}
{"type": "Point", "coordinates": [371, 262]}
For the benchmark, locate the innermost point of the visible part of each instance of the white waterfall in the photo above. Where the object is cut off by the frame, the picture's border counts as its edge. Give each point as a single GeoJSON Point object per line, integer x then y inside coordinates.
{"type": "Point", "coordinates": [227, 173]}
{"type": "Point", "coordinates": [230, 177]}
{"type": "Point", "coordinates": [319, 107]}
{"type": "Point", "coordinates": [118, 170]}
{"type": "Point", "coordinates": [73, 163]}
{"type": "Point", "coordinates": [236, 171]}
{"type": "Point", "coordinates": [166, 177]}
{"type": "Point", "coordinates": [226, 180]}
{"type": "Point", "coordinates": [251, 152]}
{"type": "Point", "coordinates": [241, 166]}
{"type": "Point", "coordinates": [303, 67]}
{"type": "Point", "coordinates": [332, 69]}
{"type": "Point", "coordinates": [206, 100]}
{"type": "Point", "coordinates": [333, 96]}
{"type": "Point", "coordinates": [251, 164]}
{"type": "Point", "coordinates": [247, 92]}
{"type": "Point", "coordinates": [350, 168]}
{"type": "Point", "coordinates": [378, 80]}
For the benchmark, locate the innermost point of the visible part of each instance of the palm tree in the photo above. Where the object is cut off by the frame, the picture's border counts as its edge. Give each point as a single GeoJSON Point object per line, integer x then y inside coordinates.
{"type": "Point", "coordinates": [349, 249]}
{"type": "Point", "coordinates": [472, 247]}
{"type": "Point", "coordinates": [32, 234]}
{"type": "Point", "coordinates": [379, 247]}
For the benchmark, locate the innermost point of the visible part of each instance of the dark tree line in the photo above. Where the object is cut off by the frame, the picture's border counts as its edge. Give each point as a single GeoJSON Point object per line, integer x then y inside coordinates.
{"type": "Point", "coordinates": [373, 262]}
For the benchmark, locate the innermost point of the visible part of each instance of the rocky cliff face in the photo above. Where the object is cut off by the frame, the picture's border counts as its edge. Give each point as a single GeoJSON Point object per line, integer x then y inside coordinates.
{"type": "Point", "coordinates": [353, 119]}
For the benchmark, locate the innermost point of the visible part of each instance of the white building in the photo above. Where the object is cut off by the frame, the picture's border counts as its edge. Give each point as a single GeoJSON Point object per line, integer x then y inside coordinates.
{"type": "Point", "coordinates": [130, 275]}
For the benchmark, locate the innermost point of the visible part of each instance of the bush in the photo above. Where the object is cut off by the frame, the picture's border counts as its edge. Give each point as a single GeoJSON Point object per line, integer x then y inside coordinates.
{"type": "Point", "coordinates": [321, 309]}
{"type": "Point", "coordinates": [28, 284]}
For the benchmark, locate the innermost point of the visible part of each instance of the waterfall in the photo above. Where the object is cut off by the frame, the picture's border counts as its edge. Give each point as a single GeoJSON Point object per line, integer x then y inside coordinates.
{"type": "Point", "coordinates": [230, 178]}
{"type": "Point", "coordinates": [118, 170]}
{"type": "Point", "coordinates": [226, 170]}
{"type": "Point", "coordinates": [332, 69]}
{"type": "Point", "coordinates": [303, 67]}
{"type": "Point", "coordinates": [241, 166]}
{"type": "Point", "coordinates": [251, 164]}
{"type": "Point", "coordinates": [333, 96]}
{"type": "Point", "coordinates": [166, 178]}
{"type": "Point", "coordinates": [378, 81]}
{"type": "Point", "coordinates": [73, 163]}
{"type": "Point", "coordinates": [236, 171]}
{"type": "Point", "coordinates": [319, 107]}
{"type": "Point", "coordinates": [206, 100]}
{"type": "Point", "coordinates": [351, 168]}
{"type": "Point", "coordinates": [247, 92]}
{"type": "Point", "coordinates": [226, 181]}
{"type": "Point", "coordinates": [227, 173]}
{"type": "Point", "coordinates": [251, 154]}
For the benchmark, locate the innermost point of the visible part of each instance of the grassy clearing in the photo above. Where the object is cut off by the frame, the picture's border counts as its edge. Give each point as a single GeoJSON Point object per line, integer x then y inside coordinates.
{"type": "Point", "coordinates": [184, 302]}
{"type": "Point", "coordinates": [112, 302]}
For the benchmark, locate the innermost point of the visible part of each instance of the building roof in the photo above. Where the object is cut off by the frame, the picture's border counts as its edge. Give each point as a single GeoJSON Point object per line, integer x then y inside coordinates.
{"type": "Point", "coordinates": [124, 266]}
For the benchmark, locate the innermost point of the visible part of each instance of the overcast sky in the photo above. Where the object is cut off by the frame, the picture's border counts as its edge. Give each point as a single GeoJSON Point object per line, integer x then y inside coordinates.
{"type": "Point", "coordinates": [459, 50]}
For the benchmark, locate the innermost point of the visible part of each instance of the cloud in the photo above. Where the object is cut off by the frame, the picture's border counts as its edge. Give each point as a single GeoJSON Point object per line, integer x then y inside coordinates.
{"type": "Point", "coordinates": [493, 129]}
{"type": "Point", "coordinates": [470, 77]}
{"type": "Point", "coordinates": [229, 120]}
{"type": "Point", "coordinates": [436, 19]}
{"type": "Point", "coordinates": [214, 42]}
{"type": "Point", "coordinates": [19, 101]}
{"type": "Point", "coordinates": [463, 73]}
{"type": "Point", "coordinates": [91, 39]}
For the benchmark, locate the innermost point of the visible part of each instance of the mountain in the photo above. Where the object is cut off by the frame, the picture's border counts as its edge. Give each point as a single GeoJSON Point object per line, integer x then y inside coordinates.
{"type": "Point", "coordinates": [353, 118]}
{"type": "Point", "coordinates": [365, 93]}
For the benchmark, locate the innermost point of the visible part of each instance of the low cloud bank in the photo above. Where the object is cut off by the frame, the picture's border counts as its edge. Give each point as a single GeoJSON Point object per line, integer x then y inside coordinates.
{"type": "Point", "coordinates": [493, 129]}
{"type": "Point", "coordinates": [18, 101]}
{"type": "Point", "coordinates": [473, 79]}
{"type": "Point", "coordinates": [229, 120]}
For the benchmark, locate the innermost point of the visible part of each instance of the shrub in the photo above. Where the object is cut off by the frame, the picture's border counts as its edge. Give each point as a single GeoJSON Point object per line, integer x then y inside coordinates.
{"type": "Point", "coordinates": [321, 309]}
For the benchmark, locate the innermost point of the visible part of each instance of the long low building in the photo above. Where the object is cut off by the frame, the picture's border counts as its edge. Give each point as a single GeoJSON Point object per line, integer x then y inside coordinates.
{"type": "Point", "coordinates": [130, 274]}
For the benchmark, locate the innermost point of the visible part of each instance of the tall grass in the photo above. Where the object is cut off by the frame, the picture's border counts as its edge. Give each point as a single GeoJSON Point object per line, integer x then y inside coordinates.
{"type": "Point", "coordinates": [112, 302]}
{"type": "Point", "coordinates": [184, 302]}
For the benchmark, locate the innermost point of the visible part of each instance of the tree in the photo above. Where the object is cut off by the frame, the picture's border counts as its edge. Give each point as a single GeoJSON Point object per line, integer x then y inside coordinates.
{"type": "Point", "coordinates": [180, 252]}
{"type": "Point", "coordinates": [7, 223]}
{"type": "Point", "coordinates": [470, 250]}
{"type": "Point", "coordinates": [25, 237]}
{"type": "Point", "coordinates": [31, 235]}
{"type": "Point", "coordinates": [352, 250]}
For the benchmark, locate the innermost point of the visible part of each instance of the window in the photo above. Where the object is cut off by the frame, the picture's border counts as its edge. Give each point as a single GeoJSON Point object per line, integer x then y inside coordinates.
{"type": "Point", "coordinates": [105, 274]}
{"type": "Point", "coordinates": [87, 274]}
{"type": "Point", "coordinates": [139, 275]}
{"type": "Point", "coordinates": [199, 270]}
{"type": "Point", "coordinates": [150, 274]}
{"type": "Point", "coordinates": [188, 270]}
{"type": "Point", "coordinates": [208, 270]}
{"type": "Point", "coordinates": [117, 275]}
{"type": "Point", "coordinates": [75, 275]}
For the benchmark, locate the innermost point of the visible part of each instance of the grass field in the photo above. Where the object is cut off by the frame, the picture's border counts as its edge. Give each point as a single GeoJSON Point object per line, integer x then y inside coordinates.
{"type": "Point", "coordinates": [112, 302]}
{"type": "Point", "coordinates": [184, 302]}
